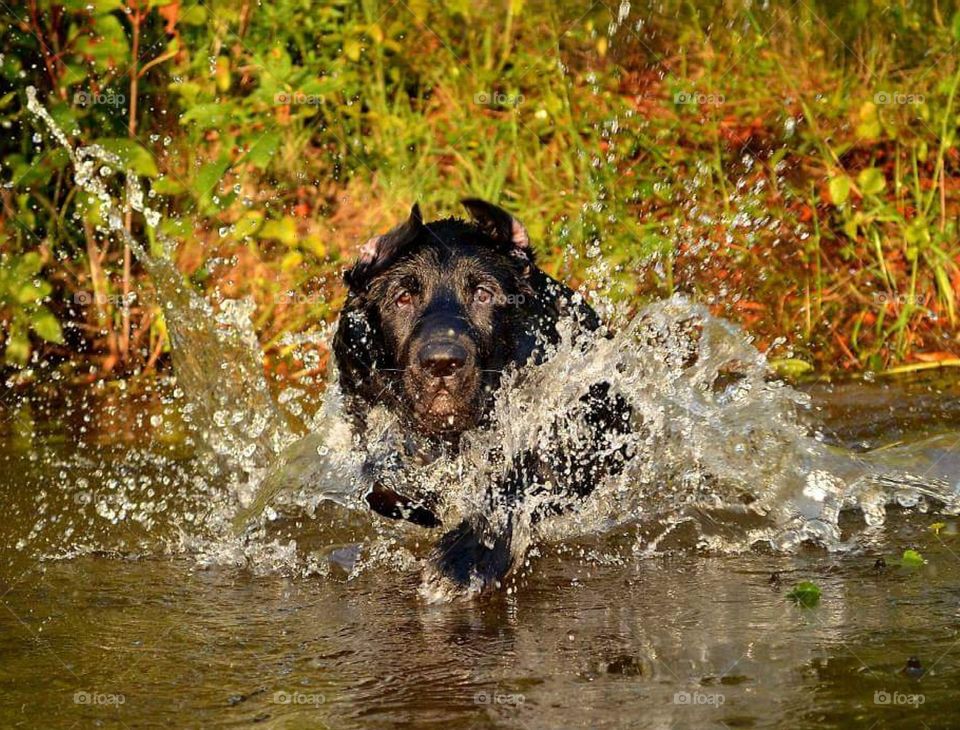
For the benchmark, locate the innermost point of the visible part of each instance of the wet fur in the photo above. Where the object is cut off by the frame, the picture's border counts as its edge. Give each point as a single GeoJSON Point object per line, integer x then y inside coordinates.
{"type": "Point", "coordinates": [375, 351]}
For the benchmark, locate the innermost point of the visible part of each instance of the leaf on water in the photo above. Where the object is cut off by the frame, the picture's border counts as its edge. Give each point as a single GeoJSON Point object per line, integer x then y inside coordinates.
{"type": "Point", "coordinates": [222, 73]}
{"type": "Point", "coordinates": [29, 264]}
{"type": "Point", "coordinates": [805, 594]}
{"type": "Point", "coordinates": [912, 559]}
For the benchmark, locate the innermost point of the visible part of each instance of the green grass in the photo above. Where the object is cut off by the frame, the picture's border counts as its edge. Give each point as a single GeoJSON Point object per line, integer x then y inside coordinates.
{"type": "Point", "coordinates": [791, 197]}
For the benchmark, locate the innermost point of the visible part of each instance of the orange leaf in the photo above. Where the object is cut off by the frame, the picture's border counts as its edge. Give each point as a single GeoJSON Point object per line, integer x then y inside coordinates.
{"type": "Point", "coordinates": [934, 356]}
{"type": "Point", "coordinates": [170, 13]}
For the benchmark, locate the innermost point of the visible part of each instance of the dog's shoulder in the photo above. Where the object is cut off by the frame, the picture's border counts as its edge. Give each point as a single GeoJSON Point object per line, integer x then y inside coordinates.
{"type": "Point", "coordinates": [551, 302]}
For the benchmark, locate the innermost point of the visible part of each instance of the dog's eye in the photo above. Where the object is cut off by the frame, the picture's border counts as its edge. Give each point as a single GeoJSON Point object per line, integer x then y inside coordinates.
{"type": "Point", "coordinates": [482, 295]}
{"type": "Point", "coordinates": [404, 298]}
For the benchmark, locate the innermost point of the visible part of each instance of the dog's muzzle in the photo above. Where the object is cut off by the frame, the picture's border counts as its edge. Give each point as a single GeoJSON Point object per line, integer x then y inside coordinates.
{"type": "Point", "coordinates": [442, 358]}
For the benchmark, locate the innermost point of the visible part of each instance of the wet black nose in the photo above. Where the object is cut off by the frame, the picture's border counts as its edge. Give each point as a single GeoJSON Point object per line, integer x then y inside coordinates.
{"type": "Point", "coordinates": [441, 359]}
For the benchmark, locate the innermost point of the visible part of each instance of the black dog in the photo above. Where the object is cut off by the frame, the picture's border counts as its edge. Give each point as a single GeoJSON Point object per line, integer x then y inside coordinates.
{"type": "Point", "coordinates": [434, 315]}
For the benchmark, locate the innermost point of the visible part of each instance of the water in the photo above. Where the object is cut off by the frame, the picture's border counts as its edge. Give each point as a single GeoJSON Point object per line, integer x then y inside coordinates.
{"type": "Point", "coordinates": [595, 636]}
{"type": "Point", "coordinates": [201, 548]}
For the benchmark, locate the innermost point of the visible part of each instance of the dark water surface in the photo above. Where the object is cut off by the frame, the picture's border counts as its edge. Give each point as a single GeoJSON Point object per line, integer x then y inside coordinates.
{"type": "Point", "coordinates": [590, 638]}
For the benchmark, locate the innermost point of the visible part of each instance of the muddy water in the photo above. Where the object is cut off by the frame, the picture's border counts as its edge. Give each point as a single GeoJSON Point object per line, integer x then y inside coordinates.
{"type": "Point", "coordinates": [594, 635]}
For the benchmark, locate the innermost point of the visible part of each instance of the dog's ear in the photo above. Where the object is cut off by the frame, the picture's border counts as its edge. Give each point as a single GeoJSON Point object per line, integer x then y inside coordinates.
{"type": "Point", "coordinates": [377, 253]}
{"type": "Point", "coordinates": [360, 352]}
{"type": "Point", "coordinates": [500, 226]}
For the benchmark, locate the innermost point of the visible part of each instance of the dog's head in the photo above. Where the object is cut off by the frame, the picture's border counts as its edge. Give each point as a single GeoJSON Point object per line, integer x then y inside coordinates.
{"type": "Point", "coordinates": [433, 315]}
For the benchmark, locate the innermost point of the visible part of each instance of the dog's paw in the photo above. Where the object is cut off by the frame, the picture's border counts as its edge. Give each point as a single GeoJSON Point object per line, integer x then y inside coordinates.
{"type": "Point", "coordinates": [467, 562]}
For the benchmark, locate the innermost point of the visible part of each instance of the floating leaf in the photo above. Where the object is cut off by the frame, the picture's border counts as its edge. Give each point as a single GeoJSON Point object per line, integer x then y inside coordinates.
{"type": "Point", "coordinates": [805, 594]}
{"type": "Point", "coordinates": [912, 559]}
{"type": "Point", "coordinates": [32, 291]}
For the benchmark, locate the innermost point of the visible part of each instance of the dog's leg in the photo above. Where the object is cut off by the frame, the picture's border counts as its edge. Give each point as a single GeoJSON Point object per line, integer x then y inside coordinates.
{"type": "Point", "coordinates": [389, 503]}
{"type": "Point", "coordinates": [474, 557]}
{"type": "Point", "coordinates": [481, 552]}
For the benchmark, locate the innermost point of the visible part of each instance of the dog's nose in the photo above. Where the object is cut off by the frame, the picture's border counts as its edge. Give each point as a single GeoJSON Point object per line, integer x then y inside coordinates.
{"type": "Point", "coordinates": [441, 359]}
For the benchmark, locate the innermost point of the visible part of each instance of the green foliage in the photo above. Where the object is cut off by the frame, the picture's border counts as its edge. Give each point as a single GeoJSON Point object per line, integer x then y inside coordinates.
{"type": "Point", "coordinates": [22, 309]}
{"type": "Point", "coordinates": [280, 134]}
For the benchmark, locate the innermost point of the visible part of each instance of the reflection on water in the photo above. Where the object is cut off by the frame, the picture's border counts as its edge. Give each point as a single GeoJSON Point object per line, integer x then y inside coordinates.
{"type": "Point", "coordinates": [595, 635]}
{"type": "Point", "coordinates": [687, 642]}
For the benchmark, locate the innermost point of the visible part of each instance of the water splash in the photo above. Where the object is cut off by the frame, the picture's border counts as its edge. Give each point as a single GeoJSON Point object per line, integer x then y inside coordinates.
{"type": "Point", "coordinates": [721, 456]}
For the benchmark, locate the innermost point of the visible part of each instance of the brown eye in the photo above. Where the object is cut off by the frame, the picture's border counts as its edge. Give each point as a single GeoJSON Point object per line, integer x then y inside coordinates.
{"type": "Point", "coordinates": [404, 298]}
{"type": "Point", "coordinates": [482, 295]}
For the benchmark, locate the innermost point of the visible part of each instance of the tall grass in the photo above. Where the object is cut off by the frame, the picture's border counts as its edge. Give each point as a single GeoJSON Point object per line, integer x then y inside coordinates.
{"type": "Point", "coordinates": [789, 163]}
